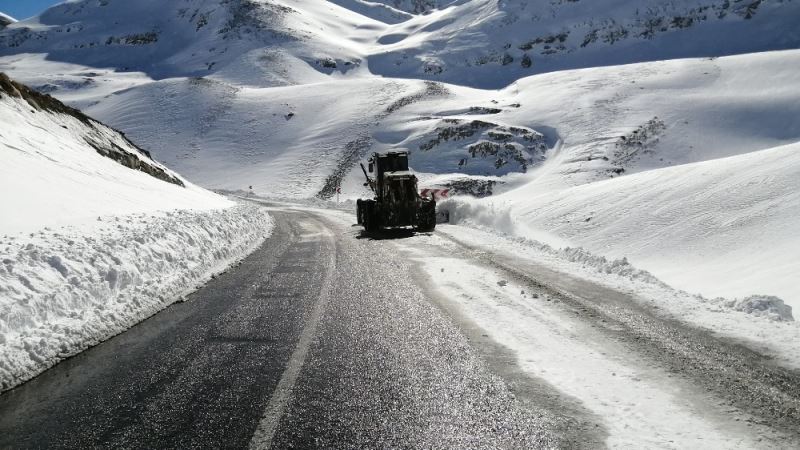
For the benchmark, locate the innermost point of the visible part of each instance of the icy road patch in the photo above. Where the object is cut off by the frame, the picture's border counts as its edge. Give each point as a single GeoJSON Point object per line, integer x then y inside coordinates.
{"type": "Point", "coordinates": [63, 290]}
{"type": "Point", "coordinates": [642, 405]}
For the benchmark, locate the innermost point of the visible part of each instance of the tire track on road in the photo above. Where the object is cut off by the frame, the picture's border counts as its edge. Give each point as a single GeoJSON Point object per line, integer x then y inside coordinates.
{"type": "Point", "coordinates": [766, 394]}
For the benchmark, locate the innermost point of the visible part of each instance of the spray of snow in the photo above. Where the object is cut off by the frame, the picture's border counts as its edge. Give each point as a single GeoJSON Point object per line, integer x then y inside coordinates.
{"type": "Point", "coordinates": [767, 306]}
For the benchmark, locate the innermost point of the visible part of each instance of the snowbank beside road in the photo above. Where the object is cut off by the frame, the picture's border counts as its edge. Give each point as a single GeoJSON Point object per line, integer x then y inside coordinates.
{"type": "Point", "coordinates": [574, 340]}
{"type": "Point", "coordinates": [94, 234]}
{"type": "Point", "coordinates": [722, 228]}
{"type": "Point", "coordinates": [62, 291]}
{"type": "Point", "coordinates": [763, 323]}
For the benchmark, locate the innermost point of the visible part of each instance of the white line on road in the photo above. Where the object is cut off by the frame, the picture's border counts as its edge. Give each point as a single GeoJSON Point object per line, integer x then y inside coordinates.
{"type": "Point", "coordinates": [262, 438]}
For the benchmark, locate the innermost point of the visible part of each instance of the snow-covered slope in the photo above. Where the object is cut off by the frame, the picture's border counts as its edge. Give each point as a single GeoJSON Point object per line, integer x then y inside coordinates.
{"type": "Point", "coordinates": [713, 148]}
{"type": "Point", "coordinates": [210, 71]}
{"type": "Point", "coordinates": [47, 160]}
{"type": "Point", "coordinates": [94, 234]}
{"type": "Point", "coordinates": [490, 43]}
{"type": "Point", "coordinates": [384, 12]}
{"type": "Point", "coordinates": [5, 19]}
{"type": "Point", "coordinates": [251, 41]}
{"type": "Point", "coordinates": [479, 43]}
{"type": "Point", "coordinates": [417, 6]}
{"type": "Point", "coordinates": [724, 227]}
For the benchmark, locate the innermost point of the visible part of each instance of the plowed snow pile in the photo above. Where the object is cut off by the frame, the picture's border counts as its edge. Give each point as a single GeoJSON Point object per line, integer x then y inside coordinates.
{"type": "Point", "coordinates": [88, 246]}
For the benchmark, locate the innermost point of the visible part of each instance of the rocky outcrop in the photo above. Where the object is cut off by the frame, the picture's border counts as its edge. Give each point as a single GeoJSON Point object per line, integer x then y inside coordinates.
{"type": "Point", "coordinates": [105, 140]}
{"type": "Point", "coordinates": [6, 20]}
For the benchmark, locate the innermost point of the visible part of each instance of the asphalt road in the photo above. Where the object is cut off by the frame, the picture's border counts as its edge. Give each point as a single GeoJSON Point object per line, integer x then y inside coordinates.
{"type": "Point", "coordinates": [321, 338]}
{"type": "Point", "coordinates": [328, 338]}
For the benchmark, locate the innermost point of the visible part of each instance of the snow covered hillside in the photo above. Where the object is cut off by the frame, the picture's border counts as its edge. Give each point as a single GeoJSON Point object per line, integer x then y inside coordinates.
{"type": "Point", "coordinates": [490, 43]}
{"type": "Point", "coordinates": [95, 235]}
{"type": "Point", "coordinates": [688, 168]}
{"type": "Point", "coordinates": [576, 115]}
{"type": "Point", "coordinates": [6, 20]}
{"type": "Point", "coordinates": [283, 95]}
{"type": "Point", "coordinates": [251, 41]}
{"type": "Point", "coordinates": [479, 43]}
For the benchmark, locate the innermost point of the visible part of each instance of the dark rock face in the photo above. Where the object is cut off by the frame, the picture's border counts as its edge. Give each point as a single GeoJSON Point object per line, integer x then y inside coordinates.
{"type": "Point", "coordinates": [639, 141]}
{"type": "Point", "coordinates": [105, 140]}
{"type": "Point", "coordinates": [414, 6]}
{"type": "Point", "coordinates": [509, 148]}
{"type": "Point", "coordinates": [5, 20]}
{"type": "Point", "coordinates": [471, 186]}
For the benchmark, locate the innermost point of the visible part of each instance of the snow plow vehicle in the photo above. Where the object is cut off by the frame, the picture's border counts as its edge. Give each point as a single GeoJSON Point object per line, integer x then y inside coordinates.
{"type": "Point", "coordinates": [397, 201]}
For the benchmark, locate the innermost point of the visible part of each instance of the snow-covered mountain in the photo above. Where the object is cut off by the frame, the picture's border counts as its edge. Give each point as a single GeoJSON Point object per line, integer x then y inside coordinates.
{"type": "Point", "coordinates": [547, 102]}
{"type": "Point", "coordinates": [5, 19]}
{"type": "Point", "coordinates": [140, 71]}
{"type": "Point", "coordinates": [480, 43]}
{"type": "Point", "coordinates": [263, 42]}
{"type": "Point", "coordinates": [490, 43]}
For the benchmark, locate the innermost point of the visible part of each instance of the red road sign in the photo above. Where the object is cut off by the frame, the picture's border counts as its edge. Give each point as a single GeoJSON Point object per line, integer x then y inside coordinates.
{"type": "Point", "coordinates": [436, 194]}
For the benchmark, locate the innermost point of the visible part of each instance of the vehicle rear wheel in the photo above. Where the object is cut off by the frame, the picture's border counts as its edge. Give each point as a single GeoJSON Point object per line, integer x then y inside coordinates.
{"type": "Point", "coordinates": [370, 216]}
{"type": "Point", "coordinates": [426, 216]}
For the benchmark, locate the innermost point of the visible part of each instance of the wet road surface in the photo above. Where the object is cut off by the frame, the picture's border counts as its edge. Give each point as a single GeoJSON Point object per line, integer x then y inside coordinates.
{"type": "Point", "coordinates": [321, 338]}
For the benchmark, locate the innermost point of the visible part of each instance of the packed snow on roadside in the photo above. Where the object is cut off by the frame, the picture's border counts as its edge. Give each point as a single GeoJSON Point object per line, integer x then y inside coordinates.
{"type": "Point", "coordinates": [65, 289]}
{"type": "Point", "coordinates": [90, 247]}
{"type": "Point", "coordinates": [639, 404]}
{"type": "Point", "coordinates": [762, 322]}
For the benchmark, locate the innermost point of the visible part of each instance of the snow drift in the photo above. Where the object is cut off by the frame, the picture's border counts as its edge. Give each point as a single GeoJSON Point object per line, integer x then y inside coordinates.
{"type": "Point", "coordinates": [63, 290]}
